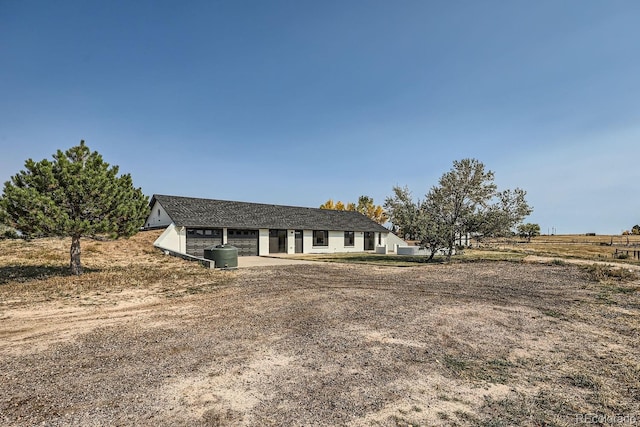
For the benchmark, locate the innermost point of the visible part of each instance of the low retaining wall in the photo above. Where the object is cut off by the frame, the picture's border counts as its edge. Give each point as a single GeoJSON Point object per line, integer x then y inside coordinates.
{"type": "Point", "coordinates": [418, 250]}
{"type": "Point", "coordinates": [411, 250]}
{"type": "Point", "coordinates": [207, 263]}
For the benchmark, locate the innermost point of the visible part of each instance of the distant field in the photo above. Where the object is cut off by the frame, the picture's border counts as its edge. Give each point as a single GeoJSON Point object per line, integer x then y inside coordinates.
{"type": "Point", "coordinates": [584, 239]}
{"type": "Point", "coordinates": [597, 248]}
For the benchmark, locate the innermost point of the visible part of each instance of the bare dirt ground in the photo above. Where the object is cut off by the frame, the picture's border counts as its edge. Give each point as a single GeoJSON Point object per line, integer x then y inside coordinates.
{"type": "Point", "coordinates": [488, 343]}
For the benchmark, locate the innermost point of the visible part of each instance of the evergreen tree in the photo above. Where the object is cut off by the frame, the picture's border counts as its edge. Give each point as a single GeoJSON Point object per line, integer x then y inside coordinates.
{"type": "Point", "coordinates": [75, 195]}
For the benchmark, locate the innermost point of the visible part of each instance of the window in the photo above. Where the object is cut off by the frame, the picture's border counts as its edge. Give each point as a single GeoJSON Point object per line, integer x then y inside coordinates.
{"type": "Point", "coordinates": [200, 232]}
{"type": "Point", "coordinates": [379, 238]}
{"type": "Point", "coordinates": [320, 238]}
{"type": "Point", "coordinates": [158, 212]}
{"type": "Point", "coordinates": [241, 234]}
{"type": "Point", "coordinates": [349, 238]}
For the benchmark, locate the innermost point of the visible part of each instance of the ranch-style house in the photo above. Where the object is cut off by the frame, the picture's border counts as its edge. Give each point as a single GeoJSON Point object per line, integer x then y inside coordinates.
{"type": "Point", "coordinates": [193, 224]}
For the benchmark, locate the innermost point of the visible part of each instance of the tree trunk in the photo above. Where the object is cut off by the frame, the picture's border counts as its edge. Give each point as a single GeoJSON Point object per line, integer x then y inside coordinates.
{"type": "Point", "coordinates": [451, 244]}
{"type": "Point", "coordinates": [76, 267]}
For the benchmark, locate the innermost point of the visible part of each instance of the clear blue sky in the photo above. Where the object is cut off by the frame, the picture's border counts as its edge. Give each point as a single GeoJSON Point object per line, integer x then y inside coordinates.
{"type": "Point", "coordinates": [296, 102]}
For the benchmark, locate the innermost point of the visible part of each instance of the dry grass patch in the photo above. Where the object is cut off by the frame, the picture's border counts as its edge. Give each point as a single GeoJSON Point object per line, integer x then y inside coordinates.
{"type": "Point", "coordinates": [393, 260]}
{"type": "Point", "coordinates": [38, 270]}
{"type": "Point", "coordinates": [596, 248]}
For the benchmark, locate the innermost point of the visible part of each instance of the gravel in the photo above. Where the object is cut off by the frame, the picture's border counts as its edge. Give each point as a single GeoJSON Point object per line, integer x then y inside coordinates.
{"type": "Point", "coordinates": [323, 344]}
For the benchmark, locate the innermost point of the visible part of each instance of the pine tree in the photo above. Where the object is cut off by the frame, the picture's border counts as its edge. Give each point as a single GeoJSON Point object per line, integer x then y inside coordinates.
{"type": "Point", "coordinates": [75, 195]}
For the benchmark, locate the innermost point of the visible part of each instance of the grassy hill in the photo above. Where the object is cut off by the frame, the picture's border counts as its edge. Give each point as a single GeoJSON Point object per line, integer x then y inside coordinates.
{"type": "Point", "coordinates": [38, 269]}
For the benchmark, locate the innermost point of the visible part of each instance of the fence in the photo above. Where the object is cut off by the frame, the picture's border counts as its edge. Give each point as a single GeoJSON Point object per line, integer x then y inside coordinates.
{"type": "Point", "coordinates": [628, 252]}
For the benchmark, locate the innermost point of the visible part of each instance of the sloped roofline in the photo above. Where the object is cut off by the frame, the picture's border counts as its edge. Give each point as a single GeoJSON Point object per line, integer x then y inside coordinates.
{"type": "Point", "coordinates": [201, 213]}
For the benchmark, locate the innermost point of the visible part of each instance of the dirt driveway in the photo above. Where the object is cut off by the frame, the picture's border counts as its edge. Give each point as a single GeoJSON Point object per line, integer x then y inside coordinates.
{"type": "Point", "coordinates": [263, 261]}
{"type": "Point", "coordinates": [330, 344]}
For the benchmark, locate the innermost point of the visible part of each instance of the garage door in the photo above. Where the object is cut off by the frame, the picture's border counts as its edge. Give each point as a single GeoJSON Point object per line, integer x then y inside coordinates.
{"type": "Point", "coordinates": [245, 240]}
{"type": "Point", "coordinates": [200, 238]}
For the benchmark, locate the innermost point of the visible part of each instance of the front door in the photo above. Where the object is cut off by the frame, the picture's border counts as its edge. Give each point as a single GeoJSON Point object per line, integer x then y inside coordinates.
{"type": "Point", "coordinates": [277, 241]}
{"type": "Point", "coordinates": [369, 240]}
{"type": "Point", "coordinates": [299, 248]}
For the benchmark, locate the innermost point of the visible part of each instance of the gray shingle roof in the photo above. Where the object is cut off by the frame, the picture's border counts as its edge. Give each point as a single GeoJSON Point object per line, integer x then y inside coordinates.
{"type": "Point", "coordinates": [193, 212]}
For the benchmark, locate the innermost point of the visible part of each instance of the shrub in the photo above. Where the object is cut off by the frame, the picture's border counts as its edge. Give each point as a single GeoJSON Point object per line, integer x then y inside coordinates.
{"type": "Point", "coordinates": [603, 272]}
{"type": "Point", "coordinates": [9, 233]}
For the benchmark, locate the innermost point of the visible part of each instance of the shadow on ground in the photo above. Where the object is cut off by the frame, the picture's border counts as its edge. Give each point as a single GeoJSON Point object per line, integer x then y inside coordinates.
{"type": "Point", "coordinates": [22, 273]}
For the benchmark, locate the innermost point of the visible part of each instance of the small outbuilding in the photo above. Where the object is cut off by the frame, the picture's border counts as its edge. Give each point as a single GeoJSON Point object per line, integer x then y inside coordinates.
{"type": "Point", "coordinates": [193, 224]}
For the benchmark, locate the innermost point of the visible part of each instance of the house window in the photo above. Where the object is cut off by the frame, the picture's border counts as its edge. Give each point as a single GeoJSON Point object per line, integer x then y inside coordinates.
{"type": "Point", "coordinates": [158, 212]}
{"type": "Point", "coordinates": [320, 238]}
{"type": "Point", "coordinates": [203, 232]}
{"type": "Point", "coordinates": [349, 238]}
{"type": "Point", "coordinates": [379, 239]}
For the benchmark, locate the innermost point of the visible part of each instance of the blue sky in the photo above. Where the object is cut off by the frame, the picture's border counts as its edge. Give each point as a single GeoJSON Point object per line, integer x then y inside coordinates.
{"type": "Point", "coordinates": [296, 102]}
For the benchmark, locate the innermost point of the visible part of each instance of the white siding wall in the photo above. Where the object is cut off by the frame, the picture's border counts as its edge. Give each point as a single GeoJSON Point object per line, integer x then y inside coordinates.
{"type": "Point", "coordinates": [359, 241]}
{"type": "Point", "coordinates": [393, 240]}
{"type": "Point", "coordinates": [175, 239]}
{"type": "Point", "coordinates": [158, 217]}
{"type": "Point", "coordinates": [182, 232]}
{"type": "Point", "coordinates": [291, 241]}
{"type": "Point", "coordinates": [172, 239]}
{"type": "Point", "coordinates": [336, 242]}
{"type": "Point", "coordinates": [263, 241]}
{"type": "Point", "coordinates": [307, 241]}
{"type": "Point", "coordinates": [383, 239]}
